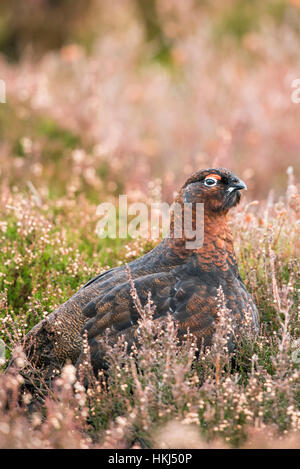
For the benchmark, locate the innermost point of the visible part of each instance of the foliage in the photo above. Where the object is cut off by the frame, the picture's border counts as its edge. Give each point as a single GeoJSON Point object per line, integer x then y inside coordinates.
{"type": "Point", "coordinates": [122, 103]}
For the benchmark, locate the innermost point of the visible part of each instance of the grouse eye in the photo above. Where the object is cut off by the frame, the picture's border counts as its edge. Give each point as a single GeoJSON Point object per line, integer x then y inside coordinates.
{"type": "Point", "coordinates": [210, 181]}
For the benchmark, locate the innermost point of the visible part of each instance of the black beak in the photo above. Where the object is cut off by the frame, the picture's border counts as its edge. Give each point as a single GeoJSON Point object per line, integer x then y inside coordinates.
{"type": "Point", "coordinates": [236, 185]}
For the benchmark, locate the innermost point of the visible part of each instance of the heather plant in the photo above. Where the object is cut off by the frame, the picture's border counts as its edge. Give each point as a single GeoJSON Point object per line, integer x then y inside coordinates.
{"type": "Point", "coordinates": [133, 108]}
{"type": "Point", "coordinates": [79, 123]}
{"type": "Point", "coordinates": [221, 398]}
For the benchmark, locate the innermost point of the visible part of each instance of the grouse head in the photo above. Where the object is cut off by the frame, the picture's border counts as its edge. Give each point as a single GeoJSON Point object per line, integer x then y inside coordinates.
{"type": "Point", "coordinates": [218, 189]}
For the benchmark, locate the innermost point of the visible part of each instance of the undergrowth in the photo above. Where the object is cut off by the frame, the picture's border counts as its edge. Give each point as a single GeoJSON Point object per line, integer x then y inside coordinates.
{"type": "Point", "coordinates": [163, 391]}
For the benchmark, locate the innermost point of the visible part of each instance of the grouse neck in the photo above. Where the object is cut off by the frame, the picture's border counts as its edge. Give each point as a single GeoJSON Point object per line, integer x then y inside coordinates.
{"type": "Point", "coordinates": [217, 242]}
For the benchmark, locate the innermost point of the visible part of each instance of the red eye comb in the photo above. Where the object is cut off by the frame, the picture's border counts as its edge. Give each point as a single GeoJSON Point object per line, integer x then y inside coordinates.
{"type": "Point", "coordinates": [216, 176]}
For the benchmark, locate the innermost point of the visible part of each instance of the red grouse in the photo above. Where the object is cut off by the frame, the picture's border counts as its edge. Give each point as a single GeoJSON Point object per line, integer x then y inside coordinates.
{"type": "Point", "coordinates": [182, 281]}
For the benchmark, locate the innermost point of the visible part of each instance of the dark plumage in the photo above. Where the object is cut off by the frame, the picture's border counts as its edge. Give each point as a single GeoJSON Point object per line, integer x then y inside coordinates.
{"type": "Point", "coordinates": [182, 281]}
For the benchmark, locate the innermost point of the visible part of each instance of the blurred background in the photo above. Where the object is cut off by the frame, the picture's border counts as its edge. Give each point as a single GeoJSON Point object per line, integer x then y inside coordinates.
{"type": "Point", "coordinates": [113, 96]}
